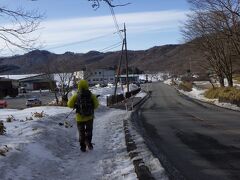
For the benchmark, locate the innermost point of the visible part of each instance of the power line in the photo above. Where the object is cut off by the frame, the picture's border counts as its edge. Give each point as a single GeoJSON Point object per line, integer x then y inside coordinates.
{"type": "Point", "coordinates": [107, 50]}
{"type": "Point", "coordinates": [111, 46]}
{"type": "Point", "coordinates": [79, 42]}
{"type": "Point", "coordinates": [115, 22]}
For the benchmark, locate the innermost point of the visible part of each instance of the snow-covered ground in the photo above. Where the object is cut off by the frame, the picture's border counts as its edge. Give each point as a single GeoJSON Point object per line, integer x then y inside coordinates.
{"type": "Point", "coordinates": [47, 147]}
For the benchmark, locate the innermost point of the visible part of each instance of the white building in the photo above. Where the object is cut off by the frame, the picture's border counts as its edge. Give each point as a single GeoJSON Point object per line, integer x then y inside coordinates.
{"type": "Point", "coordinates": [97, 76]}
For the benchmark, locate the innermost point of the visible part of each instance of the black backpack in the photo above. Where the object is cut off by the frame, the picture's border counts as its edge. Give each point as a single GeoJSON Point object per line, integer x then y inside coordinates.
{"type": "Point", "coordinates": [84, 105]}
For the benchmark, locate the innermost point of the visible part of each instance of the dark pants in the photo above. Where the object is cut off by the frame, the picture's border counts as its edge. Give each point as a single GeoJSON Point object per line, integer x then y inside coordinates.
{"type": "Point", "coordinates": [85, 132]}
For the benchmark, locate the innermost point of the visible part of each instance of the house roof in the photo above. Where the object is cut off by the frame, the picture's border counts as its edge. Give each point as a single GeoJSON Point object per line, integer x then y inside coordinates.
{"type": "Point", "coordinates": [19, 77]}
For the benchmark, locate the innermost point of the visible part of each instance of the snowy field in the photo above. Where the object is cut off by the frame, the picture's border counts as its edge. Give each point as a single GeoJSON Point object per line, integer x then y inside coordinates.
{"type": "Point", "coordinates": [47, 147]}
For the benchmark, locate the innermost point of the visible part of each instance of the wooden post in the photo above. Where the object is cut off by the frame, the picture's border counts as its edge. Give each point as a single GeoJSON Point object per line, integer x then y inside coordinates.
{"type": "Point", "coordinates": [126, 56]}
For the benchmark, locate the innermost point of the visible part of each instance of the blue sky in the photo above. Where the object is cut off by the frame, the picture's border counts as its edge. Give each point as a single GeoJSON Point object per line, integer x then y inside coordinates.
{"type": "Point", "coordinates": [69, 25]}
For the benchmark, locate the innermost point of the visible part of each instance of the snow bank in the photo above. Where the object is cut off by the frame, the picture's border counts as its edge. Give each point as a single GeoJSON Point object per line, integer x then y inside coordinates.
{"type": "Point", "coordinates": [168, 82]}
{"type": "Point", "coordinates": [132, 87]}
{"type": "Point", "coordinates": [141, 94]}
{"type": "Point", "coordinates": [21, 115]}
{"type": "Point", "coordinates": [145, 154]}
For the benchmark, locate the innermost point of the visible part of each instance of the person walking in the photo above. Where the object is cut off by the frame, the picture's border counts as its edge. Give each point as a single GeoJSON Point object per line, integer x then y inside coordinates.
{"type": "Point", "coordinates": [85, 103]}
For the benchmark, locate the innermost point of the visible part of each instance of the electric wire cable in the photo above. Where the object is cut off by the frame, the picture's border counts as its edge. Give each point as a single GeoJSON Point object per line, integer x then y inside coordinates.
{"type": "Point", "coordinates": [111, 46]}
{"type": "Point", "coordinates": [79, 42]}
{"type": "Point", "coordinates": [115, 22]}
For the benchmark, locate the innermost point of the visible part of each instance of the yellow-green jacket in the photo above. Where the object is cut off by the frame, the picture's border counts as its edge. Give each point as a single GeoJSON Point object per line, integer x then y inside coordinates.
{"type": "Point", "coordinates": [83, 84]}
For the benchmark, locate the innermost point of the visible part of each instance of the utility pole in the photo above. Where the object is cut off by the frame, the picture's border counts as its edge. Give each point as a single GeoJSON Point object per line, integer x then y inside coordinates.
{"type": "Point", "coordinates": [124, 48]}
{"type": "Point", "coordinates": [118, 71]}
{"type": "Point", "coordinates": [126, 56]}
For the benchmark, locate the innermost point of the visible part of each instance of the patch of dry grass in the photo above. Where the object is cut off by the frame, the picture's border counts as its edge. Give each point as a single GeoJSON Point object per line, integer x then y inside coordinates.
{"type": "Point", "coordinates": [212, 93]}
{"type": "Point", "coordinates": [231, 94]}
{"type": "Point", "coordinates": [237, 78]}
{"type": "Point", "coordinates": [185, 86]}
{"type": "Point", "coordinates": [38, 115]}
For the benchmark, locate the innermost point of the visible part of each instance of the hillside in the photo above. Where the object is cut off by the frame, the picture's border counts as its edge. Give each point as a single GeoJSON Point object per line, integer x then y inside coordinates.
{"type": "Point", "coordinates": [174, 58]}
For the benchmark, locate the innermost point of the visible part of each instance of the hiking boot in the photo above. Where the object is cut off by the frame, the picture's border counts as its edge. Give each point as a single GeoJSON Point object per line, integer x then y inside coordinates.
{"type": "Point", "coordinates": [83, 149]}
{"type": "Point", "coordinates": [90, 146]}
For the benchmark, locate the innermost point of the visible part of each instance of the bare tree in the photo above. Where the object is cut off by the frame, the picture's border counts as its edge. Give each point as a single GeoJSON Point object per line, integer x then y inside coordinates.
{"type": "Point", "coordinates": [215, 25]}
{"type": "Point", "coordinates": [48, 70]}
{"type": "Point", "coordinates": [65, 85]}
{"type": "Point", "coordinates": [196, 31]}
{"type": "Point", "coordinates": [18, 28]}
{"type": "Point", "coordinates": [227, 17]}
{"type": "Point", "coordinates": [96, 3]}
{"type": "Point", "coordinates": [63, 76]}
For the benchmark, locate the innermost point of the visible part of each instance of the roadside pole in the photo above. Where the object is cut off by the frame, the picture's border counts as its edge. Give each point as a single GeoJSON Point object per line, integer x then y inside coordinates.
{"type": "Point", "coordinates": [126, 56]}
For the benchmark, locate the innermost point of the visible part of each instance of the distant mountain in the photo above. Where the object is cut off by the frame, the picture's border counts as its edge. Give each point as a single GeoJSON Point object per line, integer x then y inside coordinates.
{"type": "Point", "coordinates": [174, 58]}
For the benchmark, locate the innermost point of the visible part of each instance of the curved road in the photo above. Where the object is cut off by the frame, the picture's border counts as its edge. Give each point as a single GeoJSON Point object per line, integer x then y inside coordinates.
{"type": "Point", "coordinates": [193, 140]}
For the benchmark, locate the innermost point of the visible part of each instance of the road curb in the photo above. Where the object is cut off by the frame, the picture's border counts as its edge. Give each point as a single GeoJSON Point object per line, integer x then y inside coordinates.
{"type": "Point", "coordinates": [142, 171]}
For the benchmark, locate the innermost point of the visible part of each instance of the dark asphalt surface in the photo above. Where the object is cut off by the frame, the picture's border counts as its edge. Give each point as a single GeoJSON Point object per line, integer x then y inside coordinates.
{"type": "Point", "coordinates": [193, 140]}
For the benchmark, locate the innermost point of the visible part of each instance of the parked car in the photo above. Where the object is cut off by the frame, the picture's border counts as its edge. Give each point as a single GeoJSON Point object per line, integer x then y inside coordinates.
{"type": "Point", "coordinates": [3, 104]}
{"type": "Point", "coordinates": [33, 102]}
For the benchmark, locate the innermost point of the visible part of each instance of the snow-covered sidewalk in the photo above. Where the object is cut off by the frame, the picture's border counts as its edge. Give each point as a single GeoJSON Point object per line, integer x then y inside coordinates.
{"type": "Point", "coordinates": [42, 149]}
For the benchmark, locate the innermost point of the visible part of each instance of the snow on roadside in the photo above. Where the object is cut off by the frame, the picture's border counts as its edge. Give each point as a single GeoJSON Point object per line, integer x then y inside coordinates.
{"type": "Point", "coordinates": [198, 94]}
{"type": "Point", "coordinates": [195, 93]}
{"type": "Point", "coordinates": [141, 94]}
{"type": "Point", "coordinates": [150, 161]}
{"type": "Point", "coordinates": [132, 87]}
{"type": "Point", "coordinates": [168, 81]}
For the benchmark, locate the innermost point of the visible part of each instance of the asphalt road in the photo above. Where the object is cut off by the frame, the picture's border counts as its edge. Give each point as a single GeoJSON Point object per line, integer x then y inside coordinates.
{"type": "Point", "coordinates": [193, 140]}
